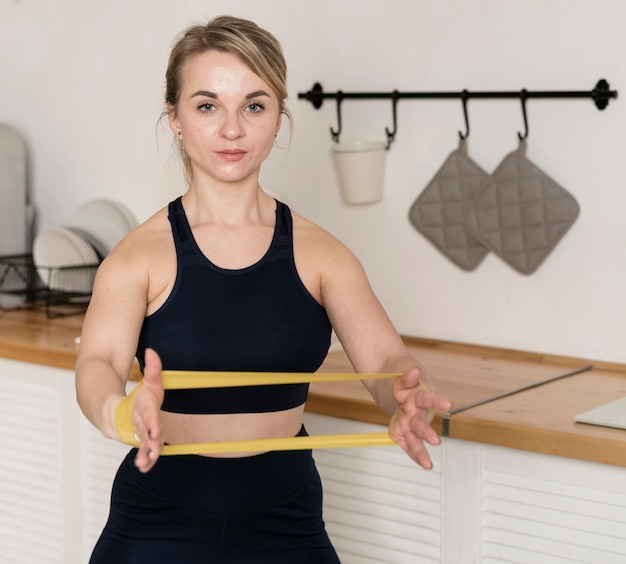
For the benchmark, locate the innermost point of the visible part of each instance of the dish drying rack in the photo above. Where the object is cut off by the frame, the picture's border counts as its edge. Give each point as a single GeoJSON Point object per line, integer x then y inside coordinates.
{"type": "Point", "coordinates": [58, 291]}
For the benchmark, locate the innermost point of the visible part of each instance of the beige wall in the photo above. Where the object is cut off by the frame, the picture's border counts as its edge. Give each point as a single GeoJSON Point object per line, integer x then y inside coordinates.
{"type": "Point", "coordinates": [83, 81]}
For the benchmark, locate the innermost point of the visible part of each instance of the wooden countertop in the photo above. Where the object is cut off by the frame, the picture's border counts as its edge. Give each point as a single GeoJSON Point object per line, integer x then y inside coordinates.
{"type": "Point", "coordinates": [508, 398]}
{"type": "Point", "coordinates": [31, 337]}
{"type": "Point", "coordinates": [501, 397]}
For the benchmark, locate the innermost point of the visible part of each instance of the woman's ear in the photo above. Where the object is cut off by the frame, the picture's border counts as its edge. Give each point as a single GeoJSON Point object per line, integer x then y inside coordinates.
{"type": "Point", "coordinates": [279, 122]}
{"type": "Point", "coordinates": [173, 120]}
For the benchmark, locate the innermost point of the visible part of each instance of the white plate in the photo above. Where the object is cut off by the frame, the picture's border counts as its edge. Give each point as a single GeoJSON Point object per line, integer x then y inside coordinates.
{"type": "Point", "coordinates": [59, 247]}
{"type": "Point", "coordinates": [104, 223]}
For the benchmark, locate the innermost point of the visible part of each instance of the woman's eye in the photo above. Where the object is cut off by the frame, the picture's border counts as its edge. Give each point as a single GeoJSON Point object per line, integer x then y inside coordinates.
{"type": "Point", "coordinates": [255, 107]}
{"type": "Point", "coordinates": [206, 107]}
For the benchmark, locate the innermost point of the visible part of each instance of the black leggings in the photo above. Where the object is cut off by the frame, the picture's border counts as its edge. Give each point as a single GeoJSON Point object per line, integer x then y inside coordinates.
{"type": "Point", "coordinates": [264, 509]}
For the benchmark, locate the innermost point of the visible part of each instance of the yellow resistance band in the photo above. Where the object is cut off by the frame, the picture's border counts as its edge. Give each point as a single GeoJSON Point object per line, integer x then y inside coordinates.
{"type": "Point", "coordinates": [185, 380]}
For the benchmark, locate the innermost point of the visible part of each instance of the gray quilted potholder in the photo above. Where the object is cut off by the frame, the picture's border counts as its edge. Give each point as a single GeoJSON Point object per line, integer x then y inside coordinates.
{"type": "Point", "coordinates": [521, 213]}
{"type": "Point", "coordinates": [438, 212]}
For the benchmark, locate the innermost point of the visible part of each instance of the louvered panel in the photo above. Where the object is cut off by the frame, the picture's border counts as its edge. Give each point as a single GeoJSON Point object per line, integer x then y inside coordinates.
{"type": "Point", "coordinates": [393, 469]}
{"type": "Point", "coordinates": [380, 548]}
{"type": "Point", "coordinates": [366, 516]}
{"type": "Point", "coordinates": [31, 519]}
{"type": "Point", "coordinates": [47, 542]}
{"type": "Point", "coordinates": [17, 503]}
{"type": "Point", "coordinates": [26, 461]}
{"type": "Point", "coordinates": [560, 491]}
{"type": "Point", "coordinates": [527, 519]}
{"type": "Point", "coordinates": [570, 513]}
{"type": "Point", "coordinates": [510, 555]}
{"type": "Point", "coordinates": [379, 506]}
{"type": "Point", "coordinates": [389, 533]}
{"type": "Point", "coordinates": [530, 549]}
{"type": "Point", "coordinates": [23, 551]}
{"type": "Point", "coordinates": [30, 447]}
{"type": "Point", "coordinates": [373, 507]}
{"type": "Point", "coordinates": [101, 459]}
{"type": "Point", "coordinates": [382, 495]}
{"type": "Point", "coordinates": [391, 477]}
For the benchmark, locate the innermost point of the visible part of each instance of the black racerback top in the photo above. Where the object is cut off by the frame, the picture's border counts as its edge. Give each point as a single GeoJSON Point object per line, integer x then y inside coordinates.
{"type": "Point", "coordinates": [260, 319]}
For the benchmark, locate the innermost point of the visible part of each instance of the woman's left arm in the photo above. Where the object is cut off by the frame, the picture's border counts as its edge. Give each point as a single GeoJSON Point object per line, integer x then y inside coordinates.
{"type": "Point", "coordinates": [373, 345]}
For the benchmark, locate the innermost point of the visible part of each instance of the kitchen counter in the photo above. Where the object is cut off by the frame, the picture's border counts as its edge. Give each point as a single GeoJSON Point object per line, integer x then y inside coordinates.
{"type": "Point", "coordinates": [507, 398]}
{"type": "Point", "coordinates": [501, 397]}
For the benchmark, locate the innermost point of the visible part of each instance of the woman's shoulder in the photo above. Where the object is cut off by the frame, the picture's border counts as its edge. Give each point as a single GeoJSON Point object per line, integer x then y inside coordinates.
{"type": "Point", "coordinates": [144, 243]}
{"type": "Point", "coordinates": [150, 232]}
{"type": "Point", "coordinates": [317, 242]}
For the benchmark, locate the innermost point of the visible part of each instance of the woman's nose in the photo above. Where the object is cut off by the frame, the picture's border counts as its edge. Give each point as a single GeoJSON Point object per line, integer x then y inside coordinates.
{"type": "Point", "coordinates": [232, 126]}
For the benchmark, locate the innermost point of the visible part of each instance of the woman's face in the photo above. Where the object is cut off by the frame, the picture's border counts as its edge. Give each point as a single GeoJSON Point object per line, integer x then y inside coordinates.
{"type": "Point", "coordinates": [227, 117]}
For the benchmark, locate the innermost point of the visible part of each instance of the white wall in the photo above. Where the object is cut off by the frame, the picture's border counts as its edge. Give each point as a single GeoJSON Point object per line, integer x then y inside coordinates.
{"type": "Point", "coordinates": [83, 80]}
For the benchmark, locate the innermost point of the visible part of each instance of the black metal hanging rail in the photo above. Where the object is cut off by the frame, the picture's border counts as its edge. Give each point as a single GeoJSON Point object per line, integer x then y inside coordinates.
{"type": "Point", "coordinates": [601, 95]}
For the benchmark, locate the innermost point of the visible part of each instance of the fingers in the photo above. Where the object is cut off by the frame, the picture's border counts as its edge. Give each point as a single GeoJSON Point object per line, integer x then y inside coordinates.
{"type": "Point", "coordinates": [408, 381]}
{"type": "Point", "coordinates": [152, 367]}
{"type": "Point", "coordinates": [432, 400]}
{"type": "Point", "coordinates": [409, 426]}
{"type": "Point", "coordinates": [150, 447]}
{"type": "Point", "coordinates": [414, 447]}
{"type": "Point", "coordinates": [440, 403]}
{"type": "Point", "coordinates": [413, 444]}
{"type": "Point", "coordinates": [146, 413]}
{"type": "Point", "coordinates": [408, 385]}
{"type": "Point", "coordinates": [147, 455]}
{"type": "Point", "coordinates": [413, 420]}
{"type": "Point", "coordinates": [147, 426]}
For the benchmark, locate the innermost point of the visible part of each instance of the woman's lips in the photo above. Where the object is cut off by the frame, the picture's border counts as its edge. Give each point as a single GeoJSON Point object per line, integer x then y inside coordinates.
{"type": "Point", "coordinates": [232, 155]}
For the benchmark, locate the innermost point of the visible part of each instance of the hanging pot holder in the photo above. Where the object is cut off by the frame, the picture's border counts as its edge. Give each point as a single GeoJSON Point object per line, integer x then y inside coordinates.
{"type": "Point", "coordinates": [521, 213]}
{"type": "Point", "coordinates": [438, 212]}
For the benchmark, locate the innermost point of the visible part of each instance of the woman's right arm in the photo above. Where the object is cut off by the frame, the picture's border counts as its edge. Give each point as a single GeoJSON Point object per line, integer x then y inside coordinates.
{"type": "Point", "coordinates": [109, 336]}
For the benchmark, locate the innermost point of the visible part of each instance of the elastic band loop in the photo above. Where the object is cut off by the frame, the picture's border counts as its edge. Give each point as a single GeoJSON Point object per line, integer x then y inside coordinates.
{"type": "Point", "coordinates": [431, 412]}
{"type": "Point", "coordinates": [124, 419]}
{"type": "Point", "coordinates": [189, 379]}
{"type": "Point", "coordinates": [289, 443]}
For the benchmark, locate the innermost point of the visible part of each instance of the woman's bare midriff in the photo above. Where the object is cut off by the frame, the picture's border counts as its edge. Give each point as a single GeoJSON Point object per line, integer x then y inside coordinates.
{"type": "Point", "coordinates": [181, 428]}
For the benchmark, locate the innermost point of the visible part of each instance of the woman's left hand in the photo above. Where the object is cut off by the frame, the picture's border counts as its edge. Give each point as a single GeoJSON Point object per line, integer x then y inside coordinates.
{"type": "Point", "coordinates": [409, 425]}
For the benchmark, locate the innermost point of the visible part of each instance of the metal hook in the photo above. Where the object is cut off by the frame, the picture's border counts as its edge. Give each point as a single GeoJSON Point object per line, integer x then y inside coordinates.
{"type": "Point", "coordinates": [392, 134]}
{"type": "Point", "coordinates": [464, 98]}
{"type": "Point", "coordinates": [523, 96]}
{"type": "Point", "coordinates": [334, 133]}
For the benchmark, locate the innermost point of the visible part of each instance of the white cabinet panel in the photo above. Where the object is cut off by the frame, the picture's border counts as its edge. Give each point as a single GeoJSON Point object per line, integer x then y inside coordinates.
{"type": "Point", "coordinates": [538, 508]}
{"type": "Point", "coordinates": [31, 509]}
{"type": "Point", "coordinates": [480, 504]}
{"type": "Point", "coordinates": [56, 470]}
{"type": "Point", "coordinates": [379, 506]}
{"type": "Point", "coordinates": [99, 462]}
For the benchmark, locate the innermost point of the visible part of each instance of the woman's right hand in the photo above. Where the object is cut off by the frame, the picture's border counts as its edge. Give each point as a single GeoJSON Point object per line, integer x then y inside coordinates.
{"type": "Point", "coordinates": [146, 413]}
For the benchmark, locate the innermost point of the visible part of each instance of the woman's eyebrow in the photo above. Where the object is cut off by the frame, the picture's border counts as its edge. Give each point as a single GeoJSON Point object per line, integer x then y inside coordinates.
{"type": "Point", "coordinates": [208, 94]}
{"type": "Point", "coordinates": [257, 94]}
{"type": "Point", "coordinates": [204, 93]}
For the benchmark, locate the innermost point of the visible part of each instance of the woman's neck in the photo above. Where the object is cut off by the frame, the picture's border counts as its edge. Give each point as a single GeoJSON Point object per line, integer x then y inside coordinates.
{"type": "Point", "coordinates": [228, 204]}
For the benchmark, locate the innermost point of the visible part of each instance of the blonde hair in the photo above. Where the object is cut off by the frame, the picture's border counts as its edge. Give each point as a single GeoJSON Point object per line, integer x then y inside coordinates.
{"type": "Point", "coordinates": [256, 47]}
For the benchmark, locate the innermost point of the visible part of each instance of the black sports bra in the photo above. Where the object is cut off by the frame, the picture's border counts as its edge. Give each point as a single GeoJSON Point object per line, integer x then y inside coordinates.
{"type": "Point", "coordinates": [260, 319]}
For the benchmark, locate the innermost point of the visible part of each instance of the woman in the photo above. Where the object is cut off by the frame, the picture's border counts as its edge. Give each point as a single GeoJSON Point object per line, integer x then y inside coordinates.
{"type": "Point", "coordinates": [227, 278]}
